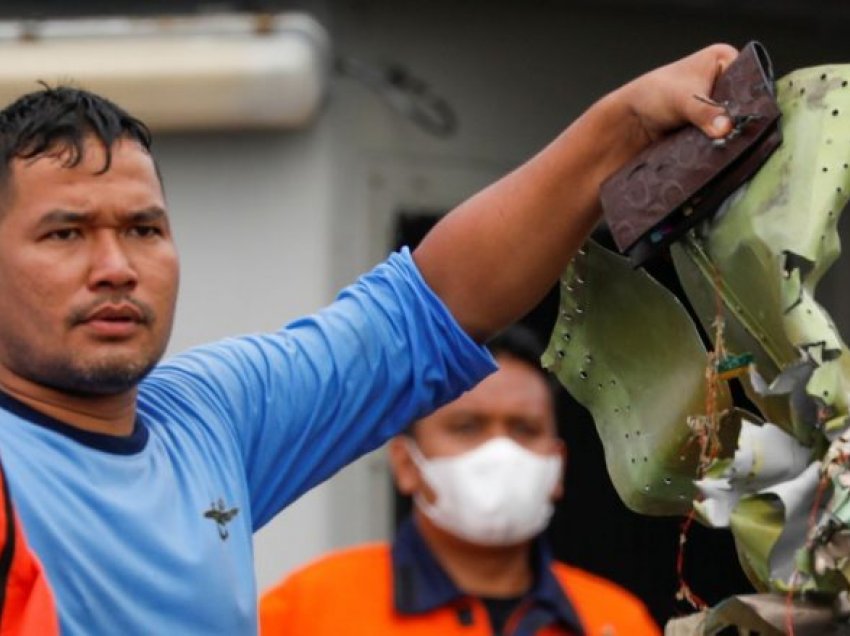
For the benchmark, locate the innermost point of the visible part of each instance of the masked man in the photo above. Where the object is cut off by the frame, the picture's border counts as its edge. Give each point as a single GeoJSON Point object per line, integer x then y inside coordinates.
{"type": "Point", "coordinates": [483, 471]}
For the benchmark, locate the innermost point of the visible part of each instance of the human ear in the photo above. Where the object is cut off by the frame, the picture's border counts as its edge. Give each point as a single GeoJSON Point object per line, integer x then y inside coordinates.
{"type": "Point", "coordinates": [405, 473]}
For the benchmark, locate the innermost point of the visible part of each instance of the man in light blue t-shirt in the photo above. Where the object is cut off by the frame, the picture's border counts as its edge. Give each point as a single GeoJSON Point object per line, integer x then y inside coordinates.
{"type": "Point", "coordinates": [140, 483]}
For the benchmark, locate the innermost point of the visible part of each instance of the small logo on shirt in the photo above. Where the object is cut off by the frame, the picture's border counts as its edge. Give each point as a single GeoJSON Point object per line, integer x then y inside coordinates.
{"type": "Point", "coordinates": [219, 513]}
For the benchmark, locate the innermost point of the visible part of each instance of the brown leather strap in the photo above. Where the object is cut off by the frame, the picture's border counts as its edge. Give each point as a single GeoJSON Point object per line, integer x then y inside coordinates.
{"type": "Point", "coordinates": [683, 178]}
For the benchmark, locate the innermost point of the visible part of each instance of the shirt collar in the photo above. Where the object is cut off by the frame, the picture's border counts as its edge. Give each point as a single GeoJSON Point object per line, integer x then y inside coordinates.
{"type": "Point", "coordinates": [130, 444]}
{"type": "Point", "coordinates": [421, 585]}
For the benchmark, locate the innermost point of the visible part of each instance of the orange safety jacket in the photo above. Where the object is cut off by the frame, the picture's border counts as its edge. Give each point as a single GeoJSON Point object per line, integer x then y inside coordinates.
{"type": "Point", "coordinates": [27, 607]}
{"type": "Point", "coordinates": [377, 590]}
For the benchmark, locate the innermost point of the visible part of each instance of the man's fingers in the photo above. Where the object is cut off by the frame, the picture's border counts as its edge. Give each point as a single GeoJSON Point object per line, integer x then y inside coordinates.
{"type": "Point", "coordinates": [720, 126]}
{"type": "Point", "coordinates": [710, 117]}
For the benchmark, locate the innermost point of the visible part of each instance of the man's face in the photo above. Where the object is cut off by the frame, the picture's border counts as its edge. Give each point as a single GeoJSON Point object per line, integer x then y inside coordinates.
{"type": "Point", "coordinates": [88, 271]}
{"type": "Point", "coordinates": [514, 402]}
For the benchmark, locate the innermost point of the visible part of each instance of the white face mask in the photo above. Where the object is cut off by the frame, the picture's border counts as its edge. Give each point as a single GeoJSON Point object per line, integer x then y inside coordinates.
{"type": "Point", "coordinates": [499, 493]}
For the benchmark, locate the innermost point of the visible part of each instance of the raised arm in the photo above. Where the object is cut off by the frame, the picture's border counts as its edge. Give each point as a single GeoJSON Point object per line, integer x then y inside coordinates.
{"type": "Point", "coordinates": [494, 256]}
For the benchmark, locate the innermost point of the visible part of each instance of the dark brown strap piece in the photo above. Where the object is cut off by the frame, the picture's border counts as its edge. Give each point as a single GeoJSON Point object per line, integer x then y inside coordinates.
{"type": "Point", "coordinates": [683, 178]}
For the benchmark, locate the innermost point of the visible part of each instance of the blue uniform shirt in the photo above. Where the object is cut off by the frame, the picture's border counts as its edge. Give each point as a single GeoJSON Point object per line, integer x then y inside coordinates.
{"type": "Point", "coordinates": [151, 533]}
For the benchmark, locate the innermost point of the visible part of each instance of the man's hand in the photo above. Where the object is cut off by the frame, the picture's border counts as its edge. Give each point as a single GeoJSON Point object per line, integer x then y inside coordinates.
{"type": "Point", "coordinates": [495, 256]}
{"type": "Point", "coordinates": [669, 97]}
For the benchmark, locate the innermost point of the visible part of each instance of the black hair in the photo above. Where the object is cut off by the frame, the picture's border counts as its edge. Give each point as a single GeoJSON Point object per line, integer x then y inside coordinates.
{"type": "Point", "coordinates": [520, 342]}
{"type": "Point", "coordinates": [58, 120]}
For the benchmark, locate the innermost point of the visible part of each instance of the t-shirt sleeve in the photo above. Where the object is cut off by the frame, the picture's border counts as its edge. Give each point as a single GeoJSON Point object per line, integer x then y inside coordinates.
{"type": "Point", "coordinates": [303, 402]}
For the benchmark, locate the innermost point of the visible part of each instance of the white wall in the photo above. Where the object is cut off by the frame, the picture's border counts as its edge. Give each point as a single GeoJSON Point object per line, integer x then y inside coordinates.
{"type": "Point", "coordinates": [270, 225]}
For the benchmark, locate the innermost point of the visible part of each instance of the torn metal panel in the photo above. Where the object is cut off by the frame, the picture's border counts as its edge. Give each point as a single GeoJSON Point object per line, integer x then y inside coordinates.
{"type": "Point", "coordinates": [763, 257]}
{"type": "Point", "coordinates": [770, 350]}
{"type": "Point", "coordinates": [766, 456]}
{"type": "Point", "coordinates": [792, 383]}
{"type": "Point", "coordinates": [771, 245]}
{"type": "Point", "coordinates": [627, 350]}
{"type": "Point", "coordinates": [797, 497]}
{"type": "Point", "coordinates": [763, 614]}
{"type": "Point", "coordinates": [784, 490]}
{"type": "Point", "coordinates": [757, 265]}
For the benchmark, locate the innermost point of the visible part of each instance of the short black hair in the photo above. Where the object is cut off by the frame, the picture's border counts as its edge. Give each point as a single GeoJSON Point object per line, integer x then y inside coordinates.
{"type": "Point", "coordinates": [58, 120]}
{"type": "Point", "coordinates": [520, 342]}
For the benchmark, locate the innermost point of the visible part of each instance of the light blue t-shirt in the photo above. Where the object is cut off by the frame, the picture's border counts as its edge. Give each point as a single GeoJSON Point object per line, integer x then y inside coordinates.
{"type": "Point", "coordinates": [151, 534]}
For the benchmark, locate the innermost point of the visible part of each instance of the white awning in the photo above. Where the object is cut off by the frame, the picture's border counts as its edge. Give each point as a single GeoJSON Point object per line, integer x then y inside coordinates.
{"type": "Point", "coordinates": [204, 72]}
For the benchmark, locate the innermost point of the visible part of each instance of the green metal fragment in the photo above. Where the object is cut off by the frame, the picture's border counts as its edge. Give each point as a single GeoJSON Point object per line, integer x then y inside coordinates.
{"type": "Point", "coordinates": [626, 349]}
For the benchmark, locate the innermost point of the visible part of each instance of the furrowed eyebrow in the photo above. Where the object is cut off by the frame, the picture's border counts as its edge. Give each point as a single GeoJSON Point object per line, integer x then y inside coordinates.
{"type": "Point", "coordinates": [61, 217]}
{"type": "Point", "coordinates": [148, 215]}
